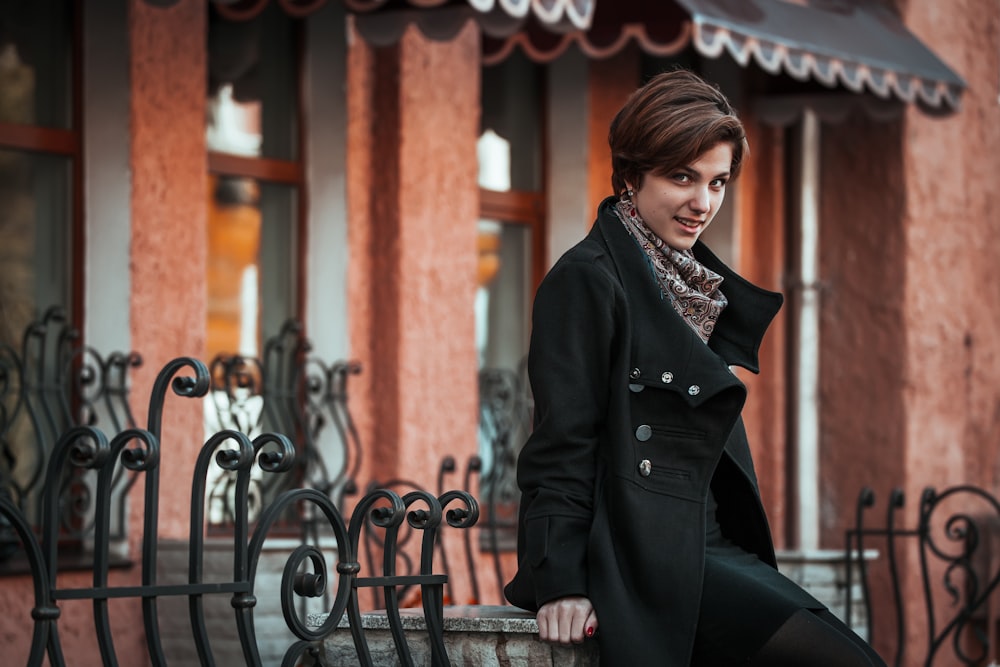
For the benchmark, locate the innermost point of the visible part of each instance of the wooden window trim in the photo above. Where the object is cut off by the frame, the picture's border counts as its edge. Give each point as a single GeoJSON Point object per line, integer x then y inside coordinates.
{"type": "Point", "coordinates": [519, 207]}
{"type": "Point", "coordinates": [39, 139]}
{"type": "Point", "coordinates": [285, 172]}
{"type": "Point", "coordinates": [265, 169]}
{"type": "Point", "coordinates": [67, 143]}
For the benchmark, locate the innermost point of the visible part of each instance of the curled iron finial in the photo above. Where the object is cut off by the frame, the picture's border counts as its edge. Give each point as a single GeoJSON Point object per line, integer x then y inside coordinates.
{"type": "Point", "coordinates": [137, 458]}
{"type": "Point", "coordinates": [464, 517]}
{"type": "Point", "coordinates": [186, 386]}
{"type": "Point", "coordinates": [271, 460]}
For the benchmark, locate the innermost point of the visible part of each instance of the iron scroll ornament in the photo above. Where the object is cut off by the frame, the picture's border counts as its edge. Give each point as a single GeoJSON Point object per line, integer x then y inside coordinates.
{"type": "Point", "coordinates": [385, 510]}
{"type": "Point", "coordinates": [951, 542]}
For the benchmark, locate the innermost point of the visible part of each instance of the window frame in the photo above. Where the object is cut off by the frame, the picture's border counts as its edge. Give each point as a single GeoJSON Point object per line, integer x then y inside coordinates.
{"type": "Point", "coordinates": [65, 142]}
{"type": "Point", "coordinates": [68, 143]}
{"type": "Point", "coordinates": [282, 171]}
{"type": "Point", "coordinates": [520, 207]}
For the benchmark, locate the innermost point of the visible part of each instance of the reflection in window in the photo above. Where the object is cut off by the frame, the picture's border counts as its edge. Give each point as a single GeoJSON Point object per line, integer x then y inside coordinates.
{"type": "Point", "coordinates": [35, 191]}
{"type": "Point", "coordinates": [510, 232]}
{"type": "Point", "coordinates": [251, 132]}
{"type": "Point", "coordinates": [36, 42]}
{"type": "Point", "coordinates": [253, 85]}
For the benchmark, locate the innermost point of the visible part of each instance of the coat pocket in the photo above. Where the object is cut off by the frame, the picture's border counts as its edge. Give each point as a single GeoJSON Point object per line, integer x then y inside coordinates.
{"type": "Point", "coordinates": [674, 461]}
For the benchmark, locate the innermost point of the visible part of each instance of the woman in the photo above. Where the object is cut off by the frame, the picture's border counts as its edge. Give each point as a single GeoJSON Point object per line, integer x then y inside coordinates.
{"type": "Point", "coordinates": [640, 512]}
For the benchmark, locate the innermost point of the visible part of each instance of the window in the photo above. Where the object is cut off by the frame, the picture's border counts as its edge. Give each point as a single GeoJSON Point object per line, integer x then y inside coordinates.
{"type": "Point", "coordinates": [256, 176]}
{"type": "Point", "coordinates": [40, 228]}
{"type": "Point", "coordinates": [39, 164]}
{"type": "Point", "coordinates": [512, 205]}
{"type": "Point", "coordinates": [255, 223]}
{"type": "Point", "coordinates": [511, 264]}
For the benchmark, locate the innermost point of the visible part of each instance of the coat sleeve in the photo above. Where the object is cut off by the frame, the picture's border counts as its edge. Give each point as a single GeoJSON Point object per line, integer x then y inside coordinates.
{"type": "Point", "coordinates": [573, 332]}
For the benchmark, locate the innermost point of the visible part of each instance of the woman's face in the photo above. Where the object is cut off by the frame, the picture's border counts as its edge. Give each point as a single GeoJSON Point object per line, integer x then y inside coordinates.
{"type": "Point", "coordinates": [678, 207]}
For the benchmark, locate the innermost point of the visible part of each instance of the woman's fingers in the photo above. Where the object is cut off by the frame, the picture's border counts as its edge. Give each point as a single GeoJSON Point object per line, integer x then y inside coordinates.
{"type": "Point", "coordinates": [590, 626]}
{"type": "Point", "coordinates": [566, 620]}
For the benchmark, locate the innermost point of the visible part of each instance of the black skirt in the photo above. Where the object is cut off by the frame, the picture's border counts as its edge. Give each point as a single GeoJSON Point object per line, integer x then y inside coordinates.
{"type": "Point", "coordinates": [743, 602]}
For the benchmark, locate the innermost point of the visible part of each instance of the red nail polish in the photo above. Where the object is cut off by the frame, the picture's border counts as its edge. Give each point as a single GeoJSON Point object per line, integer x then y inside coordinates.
{"type": "Point", "coordinates": [590, 631]}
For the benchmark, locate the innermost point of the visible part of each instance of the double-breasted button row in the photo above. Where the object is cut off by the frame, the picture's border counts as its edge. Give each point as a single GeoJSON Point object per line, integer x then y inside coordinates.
{"type": "Point", "coordinates": [666, 378]}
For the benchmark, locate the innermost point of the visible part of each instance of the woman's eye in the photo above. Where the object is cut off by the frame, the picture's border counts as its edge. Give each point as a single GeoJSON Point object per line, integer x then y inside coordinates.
{"type": "Point", "coordinates": [719, 183]}
{"type": "Point", "coordinates": [682, 178]}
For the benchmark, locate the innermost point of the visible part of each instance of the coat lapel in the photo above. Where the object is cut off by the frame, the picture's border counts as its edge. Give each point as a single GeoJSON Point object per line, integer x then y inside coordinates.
{"type": "Point", "coordinates": [740, 329]}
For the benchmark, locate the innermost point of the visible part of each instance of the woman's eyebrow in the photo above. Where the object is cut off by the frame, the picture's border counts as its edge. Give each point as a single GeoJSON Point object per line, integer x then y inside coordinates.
{"type": "Point", "coordinates": [697, 174]}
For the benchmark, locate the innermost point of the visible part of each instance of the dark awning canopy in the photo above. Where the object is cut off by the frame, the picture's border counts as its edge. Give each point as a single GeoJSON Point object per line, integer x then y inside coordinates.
{"type": "Point", "coordinates": [860, 45]}
{"type": "Point", "coordinates": [390, 17]}
{"type": "Point", "coordinates": [857, 44]}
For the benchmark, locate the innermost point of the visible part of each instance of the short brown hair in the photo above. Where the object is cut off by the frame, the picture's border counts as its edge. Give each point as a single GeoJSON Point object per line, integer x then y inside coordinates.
{"type": "Point", "coordinates": [668, 123]}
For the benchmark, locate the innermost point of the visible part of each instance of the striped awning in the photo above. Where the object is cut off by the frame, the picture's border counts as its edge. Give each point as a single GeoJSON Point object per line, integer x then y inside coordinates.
{"type": "Point", "coordinates": [859, 45]}
{"type": "Point", "coordinates": [498, 19]}
{"type": "Point", "coordinates": [383, 21]}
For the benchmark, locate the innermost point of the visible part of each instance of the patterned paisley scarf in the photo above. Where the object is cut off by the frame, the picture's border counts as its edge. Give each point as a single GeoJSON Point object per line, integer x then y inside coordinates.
{"type": "Point", "coordinates": [693, 288]}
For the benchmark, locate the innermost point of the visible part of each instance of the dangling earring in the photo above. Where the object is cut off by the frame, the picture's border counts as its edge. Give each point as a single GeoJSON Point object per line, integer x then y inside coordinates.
{"type": "Point", "coordinates": [627, 194]}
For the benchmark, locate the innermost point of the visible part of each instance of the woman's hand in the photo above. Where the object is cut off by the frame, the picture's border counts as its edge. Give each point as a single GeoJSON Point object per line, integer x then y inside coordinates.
{"type": "Point", "coordinates": [567, 620]}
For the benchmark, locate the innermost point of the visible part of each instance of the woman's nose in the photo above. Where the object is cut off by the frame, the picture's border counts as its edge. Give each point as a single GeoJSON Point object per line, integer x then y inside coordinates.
{"type": "Point", "coordinates": [700, 201]}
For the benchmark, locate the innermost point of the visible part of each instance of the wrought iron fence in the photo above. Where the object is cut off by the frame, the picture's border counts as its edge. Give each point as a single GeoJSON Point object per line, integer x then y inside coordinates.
{"type": "Point", "coordinates": [290, 390]}
{"type": "Point", "coordinates": [305, 574]}
{"type": "Point", "coordinates": [47, 387]}
{"type": "Point", "coordinates": [287, 390]}
{"type": "Point", "coordinates": [505, 414]}
{"type": "Point", "coordinates": [957, 537]}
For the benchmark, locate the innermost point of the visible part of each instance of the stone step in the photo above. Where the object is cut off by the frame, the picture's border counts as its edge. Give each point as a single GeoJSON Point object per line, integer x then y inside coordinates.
{"type": "Point", "coordinates": [475, 635]}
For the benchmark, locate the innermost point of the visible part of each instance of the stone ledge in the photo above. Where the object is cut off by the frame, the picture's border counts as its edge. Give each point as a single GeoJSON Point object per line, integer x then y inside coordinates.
{"type": "Point", "coordinates": [479, 636]}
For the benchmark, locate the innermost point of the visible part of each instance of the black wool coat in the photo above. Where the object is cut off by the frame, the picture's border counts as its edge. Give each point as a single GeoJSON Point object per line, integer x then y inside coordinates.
{"type": "Point", "coordinates": [634, 413]}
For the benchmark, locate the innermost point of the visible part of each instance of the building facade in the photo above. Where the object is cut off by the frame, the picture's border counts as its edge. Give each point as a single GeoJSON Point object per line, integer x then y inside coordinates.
{"type": "Point", "coordinates": [184, 176]}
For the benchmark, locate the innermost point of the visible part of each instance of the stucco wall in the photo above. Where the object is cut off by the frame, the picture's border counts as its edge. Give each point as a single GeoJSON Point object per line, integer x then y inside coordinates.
{"type": "Point", "coordinates": [910, 354]}
{"type": "Point", "coordinates": [862, 328]}
{"type": "Point", "coordinates": [168, 250]}
{"type": "Point", "coordinates": [952, 299]}
{"type": "Point", "coordinates": [414, 205]}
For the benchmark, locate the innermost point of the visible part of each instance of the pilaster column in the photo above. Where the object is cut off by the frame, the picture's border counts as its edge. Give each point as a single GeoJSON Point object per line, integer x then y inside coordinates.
{"type": "Point", "coordinates": [169, 216]}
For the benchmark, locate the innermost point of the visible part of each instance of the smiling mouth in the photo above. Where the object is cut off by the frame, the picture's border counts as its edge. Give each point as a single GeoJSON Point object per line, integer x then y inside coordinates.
{"type": "Point", "coordinates": [692, 225]}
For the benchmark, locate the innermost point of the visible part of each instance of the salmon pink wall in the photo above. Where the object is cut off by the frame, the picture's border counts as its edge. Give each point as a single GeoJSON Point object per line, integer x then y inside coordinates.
{"type": "Point", "coordinates": [169, 238]}
{"type": "Point", "coordinates": [910, 352]}
{"type": "Point", "coordinates": [414, 206]}
{"type": "Point", "coordinates": [862, 341]}
{"type": "Point", "coordinates": [952, 300]}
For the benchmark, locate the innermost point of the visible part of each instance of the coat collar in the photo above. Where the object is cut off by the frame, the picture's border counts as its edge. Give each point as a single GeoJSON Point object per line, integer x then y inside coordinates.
{"type": "Point", "coordinates": [742, 325]}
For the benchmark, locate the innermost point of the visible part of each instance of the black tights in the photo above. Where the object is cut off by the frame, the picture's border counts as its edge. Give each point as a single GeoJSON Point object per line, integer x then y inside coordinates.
{"type": "Point", "coordinates": [816, 639]}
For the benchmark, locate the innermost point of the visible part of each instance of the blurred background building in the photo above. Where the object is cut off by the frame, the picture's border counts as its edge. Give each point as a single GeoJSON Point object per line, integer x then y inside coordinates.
{"type": "Point", "coordinates": [184, 176]}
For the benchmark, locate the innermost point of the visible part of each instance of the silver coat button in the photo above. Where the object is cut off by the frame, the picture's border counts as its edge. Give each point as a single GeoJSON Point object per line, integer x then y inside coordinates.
{"type": "Point", "coordinates": [645, 467]}
{"type": "Point", "coordinates": [636, 388]}
{"type": "Point", "coordinates": [634, 374]}
{"type": "Point", "coordinates": [643, 433]}
{"type": "Point", "coordinates": [694, 390]}
{"type": "Point", "coordinates": [667, 377]}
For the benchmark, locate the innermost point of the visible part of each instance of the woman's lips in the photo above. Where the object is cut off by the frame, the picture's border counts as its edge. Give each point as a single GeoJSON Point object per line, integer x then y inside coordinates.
{"type": "Point", "coordinates": [690, 225]}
